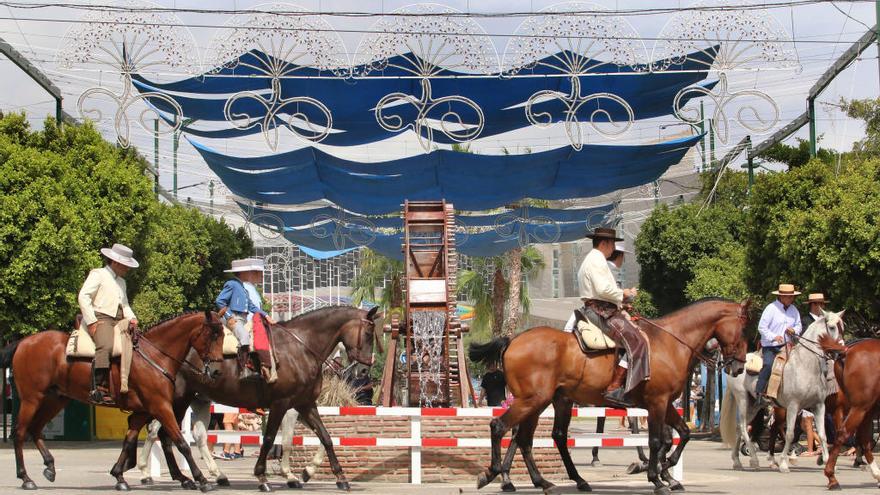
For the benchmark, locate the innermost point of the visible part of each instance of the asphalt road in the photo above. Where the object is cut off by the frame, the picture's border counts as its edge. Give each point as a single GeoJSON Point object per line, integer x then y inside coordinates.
{"type": "Point", "coordinates": [83, 468]}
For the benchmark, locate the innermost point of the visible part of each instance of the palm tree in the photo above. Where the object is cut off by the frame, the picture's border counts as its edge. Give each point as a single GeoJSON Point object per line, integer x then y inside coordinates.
{"type": "Point", "coordinates": [523, 263]}
{"type": "Point", "coordinates": [374, 270]}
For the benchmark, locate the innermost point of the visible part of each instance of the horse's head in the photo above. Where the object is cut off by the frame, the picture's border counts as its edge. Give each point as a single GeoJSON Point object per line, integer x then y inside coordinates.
{"type": "Point", "coordinates": [833, 323]}
{"type": "Point", "coordinates": [207, 340]}
{"type": "Point", "coordinates": [729, 333]}
{"type": "Point", "coordinates": [358, 335]}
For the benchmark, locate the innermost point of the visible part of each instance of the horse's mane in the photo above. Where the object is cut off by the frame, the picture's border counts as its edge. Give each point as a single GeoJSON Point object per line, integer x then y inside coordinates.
{"type": "Point", "coordinates": [696, 303]}
{"type": "Point", "coordinates": [318, 312]}
{"type": "Point", "coordinates": [169, 318]}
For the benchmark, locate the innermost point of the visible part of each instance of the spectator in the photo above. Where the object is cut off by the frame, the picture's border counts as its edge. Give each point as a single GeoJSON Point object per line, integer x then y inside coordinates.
{"type": "Point", "coordinates": [363, 387]}
{"type": "Point", "coordinates": [492, 386]}
{"type": "Point", "coordinates": [231, 450]}
{"type": "Point", "coordinates": [215, 423]}
{"type": "Point", "coordinates": [248, 422]}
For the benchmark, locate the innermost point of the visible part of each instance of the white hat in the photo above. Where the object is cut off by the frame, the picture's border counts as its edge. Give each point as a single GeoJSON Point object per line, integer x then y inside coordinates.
{"type": "Point", "coordinates": [619, 246]}
{"type": "Point", "coordinates": [246, 265]}
{"type": "Point", "coordinates": [122, 254]}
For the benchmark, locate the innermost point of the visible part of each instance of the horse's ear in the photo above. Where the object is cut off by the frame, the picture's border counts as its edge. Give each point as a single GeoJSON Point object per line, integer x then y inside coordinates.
{"type": "Point", "coordinates": [373, 314]}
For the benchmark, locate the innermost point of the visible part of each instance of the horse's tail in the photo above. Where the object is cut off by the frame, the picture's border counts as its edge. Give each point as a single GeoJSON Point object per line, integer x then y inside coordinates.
{"type": "Point", "coordinates": [728, 417]}
{"type": "Point", "coordinates": [7, 354]}
{"type": "Point", "coordinates": [830, 345]}
{"type": "Point", "coordinates": [490, 351]}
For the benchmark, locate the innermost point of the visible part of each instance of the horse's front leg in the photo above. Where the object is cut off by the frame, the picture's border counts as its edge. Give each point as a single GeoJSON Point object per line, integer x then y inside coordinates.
{"type": "Point", "coordinates": [171, 432]}
{"type": "Point", "coordinates": [276, 414]}
{"type": "Point", "coordinates": [656, 426]}
{"type": "Point", "coordinates": [311, 417]}
{"type": "Point", "coordinates": [790, 420]}
{"type": "Point", "coordinates": [820, 429]}
{"type": "Point", "coordinates": [684, 435]}
{"type": "Point", "coordinates": [136, 421]}
{"type": "Point", "coordinates": [506, 483]}
{"type": "Point", "coordinates": [561, 422]}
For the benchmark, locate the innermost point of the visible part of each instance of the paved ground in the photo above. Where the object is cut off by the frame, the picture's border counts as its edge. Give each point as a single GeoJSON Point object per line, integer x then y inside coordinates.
{"type": "Point", "coordinates": [83, 469]}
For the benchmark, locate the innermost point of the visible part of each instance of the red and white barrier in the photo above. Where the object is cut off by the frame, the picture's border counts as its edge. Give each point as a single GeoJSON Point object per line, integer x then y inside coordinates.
{"type": "Point", "coordinates": [415, 442]}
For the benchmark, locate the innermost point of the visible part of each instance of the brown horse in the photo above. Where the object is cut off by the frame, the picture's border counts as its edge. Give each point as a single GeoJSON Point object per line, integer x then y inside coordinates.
{"type": "Point", "coordinates": [544, 365]}
{"type": "Point", "coordinates": [302, 345]}
{"type": "Point", "coordinates": [46, 380]}
{"type": "Point", "coordinates": [858, 399]}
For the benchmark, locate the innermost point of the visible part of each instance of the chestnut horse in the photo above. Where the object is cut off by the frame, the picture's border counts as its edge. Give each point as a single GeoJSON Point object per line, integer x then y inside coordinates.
{"type": "Point", "coordinates": [543, 365]}
{"type": "Point", "coordinates": [857, 399]}
{"type": "Point", "coordinates": [46, 380]}
{"type": "Point", "coordinates": [302, 345]}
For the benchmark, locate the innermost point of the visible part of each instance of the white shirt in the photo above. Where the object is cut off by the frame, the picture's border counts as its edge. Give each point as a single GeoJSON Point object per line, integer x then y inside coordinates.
{"type": "Point", "coordinates": [596, 280]}
{"type": "Point", "coordinates": [254, 296]}
{"type": "Point", "coordinates": [103, 292]}
{"type": "Point", "coordinates": [775, 320]}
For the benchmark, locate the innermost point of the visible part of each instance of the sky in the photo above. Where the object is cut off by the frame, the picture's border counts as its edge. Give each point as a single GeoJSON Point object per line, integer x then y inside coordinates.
{"type": "Point", "coordinates": [821, 32]}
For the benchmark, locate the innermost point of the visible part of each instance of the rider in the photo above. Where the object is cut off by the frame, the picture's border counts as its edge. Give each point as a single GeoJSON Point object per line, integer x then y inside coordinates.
{"type": "Point", "coordinates": [602, 306]}
{"type": "Point", "coordinates": [780, 318]}
{"type": "Point", "coordinates": [103, 301]}
{"type": "Point", "coordinates": [816, 303]}
{"type": "Point", "coordinates": [239, 306]}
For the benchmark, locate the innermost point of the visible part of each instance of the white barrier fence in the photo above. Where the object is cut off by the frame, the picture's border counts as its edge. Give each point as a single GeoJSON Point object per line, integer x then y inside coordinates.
{"type": "Point", "coordinates": [415, 442]}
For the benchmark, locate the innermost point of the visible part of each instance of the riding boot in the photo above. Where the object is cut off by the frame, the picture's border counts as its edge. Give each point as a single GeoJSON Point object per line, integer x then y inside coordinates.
{"type": "Point", "coordinates": [243, 355]}
{"type": "Point", "coordinates": [255, 359]}
{"type": "Point", "coordinates": [615, 394]}
{"type": "Point", "coordinates": [100, 393]}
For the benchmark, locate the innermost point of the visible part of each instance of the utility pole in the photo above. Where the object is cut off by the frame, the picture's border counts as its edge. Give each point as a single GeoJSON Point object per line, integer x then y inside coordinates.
{"type": "Point", "coordinates": [702, 127]}
{"type": "Point", "coordinates": [211, 194]}
{"type": "Point", "coordinates": [712, 143]}
{"type": "Point", "coordinates": [156, 153]}
{"type": "Point", "coordinates": [877, 30]}
{"type": "Point", "coordinates": [751, 162]}
{"type": "Point", "coordinates": [176, 144]}
{"type": "Point", "coordinates": [811, 113]}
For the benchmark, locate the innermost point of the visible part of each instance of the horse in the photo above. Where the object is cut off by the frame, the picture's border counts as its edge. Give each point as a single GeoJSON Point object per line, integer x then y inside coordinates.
{"type": "Point", "coordinates": [804, 387]}
{"type": "Point", "coordinates": [201, 417]}
{"type": "Point", "coordinates": [46, 380]}
{"type": "Point", "coordinates": [857, 399]}
{"type": "Point", "coordinates": [562, 374]}
{"type": "Point", "coordinates": [302, 345]}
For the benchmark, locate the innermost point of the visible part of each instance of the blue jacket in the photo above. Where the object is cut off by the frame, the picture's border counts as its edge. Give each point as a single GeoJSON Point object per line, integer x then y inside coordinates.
{"type": "Point", "coordinates": [235, 297]}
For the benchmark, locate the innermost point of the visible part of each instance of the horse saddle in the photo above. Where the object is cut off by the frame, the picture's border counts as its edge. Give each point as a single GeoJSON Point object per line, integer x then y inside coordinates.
{"type": "Point", "coordinates": [80, 344]}
{"type": "Point", "coordinates": [754, 363]}
{"type": "Point", "coordinates": [261, 337]}
{"type": "Point", "coordinates": [590, 337]}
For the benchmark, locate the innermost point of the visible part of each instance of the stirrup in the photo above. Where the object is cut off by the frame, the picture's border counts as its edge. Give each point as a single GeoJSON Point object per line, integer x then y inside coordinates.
{"type": "Point", "coordinates": [100, 397]}
{"type": "Point", "coordinates": [617, 398]}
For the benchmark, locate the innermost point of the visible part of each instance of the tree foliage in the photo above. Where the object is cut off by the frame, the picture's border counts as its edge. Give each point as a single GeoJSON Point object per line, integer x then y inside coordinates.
{"type": "Point", "coordinates": [64, 194]}
{"type": "Point", "coordinates": [868, 111]}
{"type": "Point", "coordinates": [796, 156]}
{"type": "Point", "coordinates": [722, 275]}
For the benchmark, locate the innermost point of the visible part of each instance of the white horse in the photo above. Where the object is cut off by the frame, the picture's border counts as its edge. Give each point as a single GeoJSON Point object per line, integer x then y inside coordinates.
{"type": "Point", "coordinates": [201, 417]}
{"type": "Point", "coordinates": [804, 386]}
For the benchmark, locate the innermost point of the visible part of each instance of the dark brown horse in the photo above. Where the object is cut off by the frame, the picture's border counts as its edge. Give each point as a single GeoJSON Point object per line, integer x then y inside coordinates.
{"type": "Point", "coordinates": [302, 345]}
{"type": "Point", "coordinates": [857, 399]}
{"type": "Point", "coordinates": [544, 365]}
{"type": "Point", "coordinates": [46, 380]}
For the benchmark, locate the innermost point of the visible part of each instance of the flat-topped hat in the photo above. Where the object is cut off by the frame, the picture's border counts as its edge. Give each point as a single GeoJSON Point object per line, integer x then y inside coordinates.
{"type": "Point", "coordinates": [246, 265]}
{"type": "Point", "coordinates": [122, 254]}
{"type": "Point", "coordinates": [604, 233]}
{"type": "Point", "coordinates": [816, 297]}
{"type": "Point", "coordinates": [786, 290]}
{"type": "Point", "coordinates": [621, 247]}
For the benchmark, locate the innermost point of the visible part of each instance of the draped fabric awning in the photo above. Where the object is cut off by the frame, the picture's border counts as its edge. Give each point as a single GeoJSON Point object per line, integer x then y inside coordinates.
{"type": "Point", "coordinates": [469, 181]}
{"type": "Point", "coordinates": [352, 101]}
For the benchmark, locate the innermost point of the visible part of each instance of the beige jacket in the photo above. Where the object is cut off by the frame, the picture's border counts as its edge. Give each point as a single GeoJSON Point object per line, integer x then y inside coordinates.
{"type": "Point", "coordinates": [103, 292]}
{"type": "Point", "coordinates": [596, 280]}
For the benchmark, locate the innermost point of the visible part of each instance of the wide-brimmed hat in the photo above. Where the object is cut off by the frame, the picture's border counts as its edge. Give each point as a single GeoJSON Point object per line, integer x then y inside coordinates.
{"type": "Point", "coordinates": [121, 254]}
{"type": "Point", "coordinates": [621, 247]}
{"type": "Point", "coordinates": [246, 265]}
{"type": "Point", "coordinates": [786, 290]}
{"type": "Point", "coordinates": [816, 297]}
{"type": "Point", "coordinates": [604, 233]}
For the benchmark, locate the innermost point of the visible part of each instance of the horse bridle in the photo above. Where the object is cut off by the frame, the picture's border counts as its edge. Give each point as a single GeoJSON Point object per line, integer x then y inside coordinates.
{"type": "Point", "coordinates": [205, 371]}
{"type": "Point", "coordinates": [330, 364]}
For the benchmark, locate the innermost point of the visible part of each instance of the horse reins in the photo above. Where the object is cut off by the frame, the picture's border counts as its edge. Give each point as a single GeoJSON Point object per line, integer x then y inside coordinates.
{"type": "Point", "coordinates": [181, 362]}
{"type": "Point", "coordinates": [327, 361]}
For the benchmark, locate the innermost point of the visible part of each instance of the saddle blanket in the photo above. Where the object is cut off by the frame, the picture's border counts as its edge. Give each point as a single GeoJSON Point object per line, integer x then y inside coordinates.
{"type": "Point", "coordinates": [80, 344]}
{"type": "Point", "coordinates": [593, 337]}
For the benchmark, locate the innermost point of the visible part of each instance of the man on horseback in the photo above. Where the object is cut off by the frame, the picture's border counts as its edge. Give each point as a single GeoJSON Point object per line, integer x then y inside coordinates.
{"type": "Point", "coordinates": [603, 300]}
{"type": "Point", "coordinates": [103, 302]}
{"type": "Point", "coordinates": [240, 307]}
{"type": "Point", "coordinates": [779, 319]}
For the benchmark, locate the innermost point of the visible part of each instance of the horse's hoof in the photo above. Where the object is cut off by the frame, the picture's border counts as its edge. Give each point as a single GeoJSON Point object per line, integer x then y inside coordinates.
{"type": "Point", "coordinates": [343, 485]}
{"type": "Point", "coordinates": [634, 468]}
{"type": "Point", "coordinates": [663, 490]}
{"type": "Point", "coordinates": [147, 481]}
{"type": "Point", "coordinates": [508, 487]}
{"type": "Point", "coordinates": [483, 480]}
{"type": "Point", "coordinates": [122, 487]}
{"type": "Point", "coordinates": [676, 486]}
{"type": "Point", "coordinates": [188, 485]}
{"type": "Point", "coordinates": [223, 481]}
{"type": "Point", "coordinates": [737, 467]}
{"type": "Point", "coordinates": [207, 487]}
{"type": "Point", "coordinates": [29, 485]}
{"type": "Point", "coordinates": [265, 488]}
{"type": "Point", "coordinates": [819, 461]}
{"type": "Point", "coordinates": [306, 476]}
{"type": "Point", "coordinates": [596, 463]}
{"type": "Point", "coordinates": [755, 465]}
{"type": "Point", "coordinates": [49, 474]}
{"type": "Point", "coordinates": [834, 487]}
{"type": "Point", "coordinates": [294, 484]}
{"type": "Point", "coordinates": [584, 487]}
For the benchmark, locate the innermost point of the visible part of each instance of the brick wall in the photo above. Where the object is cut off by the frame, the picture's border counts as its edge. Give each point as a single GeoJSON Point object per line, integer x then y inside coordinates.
{"type": "Point", "coordinates": [438, 464]}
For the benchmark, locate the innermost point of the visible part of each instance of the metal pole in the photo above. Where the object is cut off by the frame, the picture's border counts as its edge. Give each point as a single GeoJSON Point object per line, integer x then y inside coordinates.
{"type": "Point", "coordinates": [712, 143]}
{"type": "Point", "coordinates": [877, 34]}
{"type": "Point", "coordinates": [156, 153]}
{"type": "Point", "coordinates": [176, 144]}
{"type": "Point", "coordinates": [811, 112]}
{"type": "Point", "coordinates": [211, 193]}
{"type": "Point", "coordinates": [702, 128]}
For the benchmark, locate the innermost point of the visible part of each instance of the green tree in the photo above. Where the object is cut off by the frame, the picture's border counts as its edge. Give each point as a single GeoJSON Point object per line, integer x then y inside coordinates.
{"type": "Point", "coordinates": [375, 269]}
{"type": "Point", "coordinates": [722, 275]}
{"type": "Point", "coordinates": [868, 111]}
{"type": "Point", "coordinates": [796, 156]}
